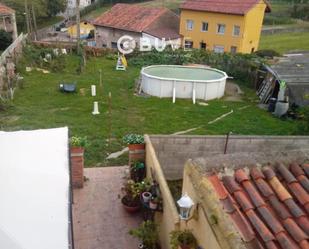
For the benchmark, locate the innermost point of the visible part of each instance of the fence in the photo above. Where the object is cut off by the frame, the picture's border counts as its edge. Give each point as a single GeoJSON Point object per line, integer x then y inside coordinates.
{"type": "Point", "coordinates": [14, 50]}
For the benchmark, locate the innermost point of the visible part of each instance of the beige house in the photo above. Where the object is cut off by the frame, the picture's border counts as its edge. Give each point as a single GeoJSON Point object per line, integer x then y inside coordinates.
{"type": "Point", "coordinates": [248, 191]}
{"type": "Point", "coordinates": [137, 22]}
{"type": "Point", "coordinates": [8, 20]}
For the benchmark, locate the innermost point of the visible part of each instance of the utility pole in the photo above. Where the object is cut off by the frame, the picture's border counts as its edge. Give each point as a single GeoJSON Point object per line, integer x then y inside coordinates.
{"type": "Point", "coordinates": [78, 26]}
{"type": "Point", "coordinates": [27, 17]}
{"type": "Point", "coordinates": [34, 23]}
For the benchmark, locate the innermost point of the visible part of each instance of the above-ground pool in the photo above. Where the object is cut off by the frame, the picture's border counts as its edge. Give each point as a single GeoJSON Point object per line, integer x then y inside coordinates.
{"type": "Point", "coordinates": [183, 82]}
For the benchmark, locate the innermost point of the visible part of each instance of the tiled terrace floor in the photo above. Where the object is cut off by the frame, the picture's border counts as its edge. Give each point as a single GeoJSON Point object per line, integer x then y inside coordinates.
{"type": "Point", "coordinates": [99, 219]}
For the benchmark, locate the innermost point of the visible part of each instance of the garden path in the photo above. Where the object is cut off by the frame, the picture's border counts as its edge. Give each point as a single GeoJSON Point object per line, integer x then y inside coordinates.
{"type": "Point", "coordinates": [99, 220]}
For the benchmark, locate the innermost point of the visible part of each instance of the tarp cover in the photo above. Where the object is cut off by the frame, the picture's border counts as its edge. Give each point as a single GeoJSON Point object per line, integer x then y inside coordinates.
{"type": "Point", "coordinates": [34, 189]}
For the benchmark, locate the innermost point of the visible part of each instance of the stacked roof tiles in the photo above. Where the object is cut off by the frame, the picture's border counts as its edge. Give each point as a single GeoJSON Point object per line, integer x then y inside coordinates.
{"type": "Point", "coordinates": [269, 207]}
{"type": "Point", "coordinates": [5, 10]}
{"type": "Point", "coordinates": [234, 7]}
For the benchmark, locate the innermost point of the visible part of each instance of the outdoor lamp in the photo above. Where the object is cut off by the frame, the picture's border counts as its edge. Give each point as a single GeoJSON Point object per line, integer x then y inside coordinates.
{"type": "Point", "coordinates": [185, 204]}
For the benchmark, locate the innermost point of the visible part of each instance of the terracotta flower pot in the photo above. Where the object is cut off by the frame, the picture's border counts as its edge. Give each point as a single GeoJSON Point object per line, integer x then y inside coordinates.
{"type": "Point", "coordinates": [133, 147]}
{"type": "Point", "coordinates": [77, 150]}
{"type": "Point", "coordinates": [130, 208]}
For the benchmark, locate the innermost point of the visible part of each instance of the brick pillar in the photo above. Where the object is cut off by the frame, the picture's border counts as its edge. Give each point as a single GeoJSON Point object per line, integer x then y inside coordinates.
{"type": "Point", "coordinates": [77, 167]}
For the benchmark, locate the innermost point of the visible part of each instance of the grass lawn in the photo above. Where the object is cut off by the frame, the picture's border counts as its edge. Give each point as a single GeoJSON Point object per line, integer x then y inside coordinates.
{"type": "Point", "coordinates": [40, 105]}
{"type": "Point", "coordinates": [285, 42]}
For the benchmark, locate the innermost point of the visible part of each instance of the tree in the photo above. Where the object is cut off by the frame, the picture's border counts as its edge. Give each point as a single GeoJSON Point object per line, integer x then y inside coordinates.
{"type": "Point", "coordinates": [55, 6]}
{"type": "Point", "coordinates": [5, 39]}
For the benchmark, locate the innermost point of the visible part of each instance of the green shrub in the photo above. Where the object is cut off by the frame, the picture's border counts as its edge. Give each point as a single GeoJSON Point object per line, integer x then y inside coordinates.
{"type": "Point", "coordinates": [240, 66]}
{"type": "Point", "coordinates": [303, 127]}
{"type": "Point", "coordinates": [133, 139]}
{"type": "Point", "coordinates": [184, 237]}
{"type": "Point", "coordinates": [147, 232]}
{"type": "Point", "coordinates": [268, 53]}
{"type": "Point", "coordinates": [5, 39]}
{"type": "Point", "coordinates": [76, 141]}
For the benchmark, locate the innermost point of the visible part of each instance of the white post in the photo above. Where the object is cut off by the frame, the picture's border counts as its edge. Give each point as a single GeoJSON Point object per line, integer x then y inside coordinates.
{"type": "Point", "coordinates": [93, 90]}
{"type": "Point", "coordinates": [193, 95]}
{"type": "Point", "coordinates": [174, 93]}
{"type": "Point", "coordinates": [95, 108]}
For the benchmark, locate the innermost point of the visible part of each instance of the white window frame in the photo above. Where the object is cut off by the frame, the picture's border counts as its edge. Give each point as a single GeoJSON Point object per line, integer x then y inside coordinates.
{"type": "Point", "coordinates": [219, 49]}
{"type": "Point", "coordinates": [186, 43]}
{"type": "Point", "coordinates": [218, 29]}
{"type": "Point", "coordinates": [187, 24]}
{"type": "Point", "coordinates": [237, 35]}
{"type": "Point", "coordinates": [203, 26]}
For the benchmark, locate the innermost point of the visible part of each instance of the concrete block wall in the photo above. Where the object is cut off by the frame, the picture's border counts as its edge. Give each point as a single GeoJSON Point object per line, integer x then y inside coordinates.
{"type": "Point", "coordinates": [174, 151]}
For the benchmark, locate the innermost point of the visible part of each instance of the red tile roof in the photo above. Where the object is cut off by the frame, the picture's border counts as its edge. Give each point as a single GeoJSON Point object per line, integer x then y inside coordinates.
{"type": "Point", "coordinates": [129, 17]}
{"type": "Point", "coordinates": [235, 7]}
{"type": "Point", "coordinates": [269, 207]}
{"type": "Point", "coordinates": [5, 10]}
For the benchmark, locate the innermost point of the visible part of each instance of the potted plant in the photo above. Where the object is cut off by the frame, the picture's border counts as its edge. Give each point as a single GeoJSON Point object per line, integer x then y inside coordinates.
{"type": "Point", "coordinates": [183, 239]}
{"type": "Point", "coordinates": [78, 144]}
{"type": "Point", "coordinates": [154, 202]}
{"type": "Point", "coordinates": [133, 191]}
{"type": "Point", "coordinates": [134, 141]}
{"type": "Point", "coordinates": [147, 232]}
{"type": "Point", "coordinates": [138, 171]}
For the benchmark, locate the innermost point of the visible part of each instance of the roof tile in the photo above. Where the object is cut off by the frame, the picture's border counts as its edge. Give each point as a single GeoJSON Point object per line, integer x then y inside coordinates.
{"type": "Point", "coordinates": [259, 226]}
{"type": "Point", "coordinates": [286, 174]}
{"type": "Point", "coordinates": [240, 176]}
{"type": "Point", "coordinates": [5, 10]}
{"type": "Point", "coordinates": [294, 208]}
{"type": "Point", "coordinates": [296, 169]}
{"type": "Point", "coordinates": [221, 6]}
{"type": "Point", "coordinates": [265, 206]}
{"type": "Point", "coordinates": [131, 17]}
{"type": "Point", "coordinates": [303, 222]}
{"type": "Point", "coordinates": [268, 172]}
{"type": "Point", "coordinates": [280, 190]}
{"type": "Point", "coordinates": [228, 205]}
{"type": "Point", "coordinates": [256, 174]}
{"type": "Point", "coordinates": [306, 168]}
{"type": "Point", "coordinates": [243, 225]}
{"type": "Point", "coordinates": [254, 194]}
{"type": "Point", "coordinates": [279, 208]}
{"type": "Point", "coordinates": [304, 181]}
{"type": "Point", "coordinates": [219, 187]}
{"type": "Point", "coordinates": [300, 194]}
{"type": "Point", "coordinates": [243, 201]}
{"type": "Point", "coordinates": [230, 184]}
{"type": "Point", "coordinates": [294, 230]}
{"type": "Point", "coordinates": [270, 220]}
{"type": "Point", "coordinates": [286, 242]}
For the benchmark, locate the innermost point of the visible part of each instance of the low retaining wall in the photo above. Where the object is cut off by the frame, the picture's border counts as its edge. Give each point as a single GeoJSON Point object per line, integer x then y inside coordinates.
{"type": "Point", "coordinates": [173, 151]}
{"type": "Point", "coordinates": [169, 219]}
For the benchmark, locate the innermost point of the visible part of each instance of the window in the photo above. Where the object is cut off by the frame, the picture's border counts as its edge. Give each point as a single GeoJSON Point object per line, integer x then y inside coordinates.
{"type": "Point", "coordinates": [219, 49]}
{"type": "Point", "coordinates": [252, 50]}
{"type": "Point", "coordinates": [236, 30]}
{"type": "Point", "coordinates": [203, 45]}
{"type": "Point", "coordinates": [233, 49]}
{"type": "Point", "coordinates": [204, 26]}
{"type": "Point", "coordinates": [114, 44]}
{"type": "Point", "coordinates": [190, 24]}
{"type": "Point", "coordinates": [221, 29]}
{"type": "Point", "coordinates": [188, 44]}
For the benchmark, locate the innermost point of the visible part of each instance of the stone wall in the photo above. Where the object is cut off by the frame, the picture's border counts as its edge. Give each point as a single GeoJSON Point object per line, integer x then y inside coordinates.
{"type": "Point", "coordinates": [174, 151]}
